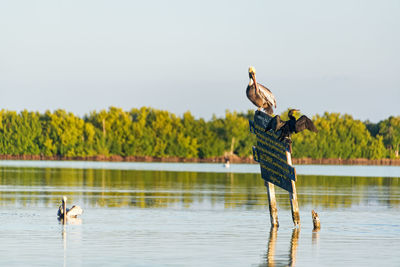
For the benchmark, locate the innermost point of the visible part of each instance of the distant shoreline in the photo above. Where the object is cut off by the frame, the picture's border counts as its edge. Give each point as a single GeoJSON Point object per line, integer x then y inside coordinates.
{"type": "Point", "coordinates": [221, 159]}
{"type": "Point", "coordinates": [379, 162]}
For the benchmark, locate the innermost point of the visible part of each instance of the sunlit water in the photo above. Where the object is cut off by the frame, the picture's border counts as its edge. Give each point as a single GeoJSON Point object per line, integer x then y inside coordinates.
{"type": "Point", "coordinates": [181, 218]}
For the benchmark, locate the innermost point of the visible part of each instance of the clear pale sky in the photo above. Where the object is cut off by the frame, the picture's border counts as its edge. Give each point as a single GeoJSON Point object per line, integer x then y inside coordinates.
{"type": "Point", "coordinates": [85, 55]}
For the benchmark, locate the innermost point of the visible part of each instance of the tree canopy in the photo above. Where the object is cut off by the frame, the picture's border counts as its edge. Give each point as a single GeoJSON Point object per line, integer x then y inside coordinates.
{"type": "Point", "coordinates": [159, 133]}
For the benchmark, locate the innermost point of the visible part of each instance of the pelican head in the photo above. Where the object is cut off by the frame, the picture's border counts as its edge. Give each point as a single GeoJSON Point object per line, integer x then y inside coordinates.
{"type": "Point", "coordinates": [252, 72]}
{"type": "Point", "coordinates": [64, 199]}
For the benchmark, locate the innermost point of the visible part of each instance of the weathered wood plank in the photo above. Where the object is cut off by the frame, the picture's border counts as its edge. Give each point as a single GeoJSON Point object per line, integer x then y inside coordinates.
{"type": "Point", "coordinates": [273, 211]}
{"type": "Point", "coordinates": [316, 221]}
{"type": "Point", "coordinates": [293, 197]}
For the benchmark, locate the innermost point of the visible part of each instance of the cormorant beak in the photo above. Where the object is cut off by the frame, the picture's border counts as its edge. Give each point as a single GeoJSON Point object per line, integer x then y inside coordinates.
{"type": "Point", "coordinates": [292, 112]}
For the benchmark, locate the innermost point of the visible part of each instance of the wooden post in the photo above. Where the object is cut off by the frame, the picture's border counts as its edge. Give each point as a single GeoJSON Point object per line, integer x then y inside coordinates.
{"type": "Point", "coordinates": [293, 196]}
{"type": "Point", "coordinates": [316, 221]}
{"type": "Point", "coordinates": [273, 211]}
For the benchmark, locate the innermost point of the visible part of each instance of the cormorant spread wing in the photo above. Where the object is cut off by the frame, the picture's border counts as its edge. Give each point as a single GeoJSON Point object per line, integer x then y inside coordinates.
{"type": "Point", "coordinates": [275, 124]}
{"type": "Point", "coordinates": [290, 126]}
{"type": "Point", "coordinates": [305, 123]}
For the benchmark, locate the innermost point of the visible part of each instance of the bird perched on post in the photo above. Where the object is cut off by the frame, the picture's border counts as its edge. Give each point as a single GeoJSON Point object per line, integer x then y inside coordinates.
{"type": "Point", "coordinates": [64, 213]}
{"type": "Point", "coordinates": [260, 95]}
{"type": "Point", "coordinates": [290, 126]}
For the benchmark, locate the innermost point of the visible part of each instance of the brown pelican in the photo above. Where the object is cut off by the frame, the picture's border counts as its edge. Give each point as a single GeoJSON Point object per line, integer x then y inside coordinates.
{"type": "Point", "coordinates": [70, 213]}
{"type": "Point", "coordinates": [290, 126]}
{"type": "Point", "coordinates": [260, 95]}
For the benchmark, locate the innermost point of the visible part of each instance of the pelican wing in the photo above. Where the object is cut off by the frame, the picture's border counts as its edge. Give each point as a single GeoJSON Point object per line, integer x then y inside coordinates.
{"type": "Point", "coordinates": [305, 123]}
{"type": "Point", "coordinates": [74, 211]}
{"type": "Point", "coordinates": [266, 94]}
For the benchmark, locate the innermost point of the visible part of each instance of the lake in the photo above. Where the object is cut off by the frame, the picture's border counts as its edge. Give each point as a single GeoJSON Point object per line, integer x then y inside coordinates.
{"type": "Point", "coordinates": [195, 215]}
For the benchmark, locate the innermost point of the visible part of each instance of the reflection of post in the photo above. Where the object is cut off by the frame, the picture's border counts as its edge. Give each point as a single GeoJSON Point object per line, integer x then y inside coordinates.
{"type": "Point", "coordinates": [315, 237]}
{"type": "Point", "coordinates": [293, 246]}
{"type": "Point", "coordinates": [293, 196]}
{"type": "Point", "coordinates": [271, 246]}
{"type": "Point", "coordinates": [273, 211]}
{"type": "Point", "coordinates": [317, 227]}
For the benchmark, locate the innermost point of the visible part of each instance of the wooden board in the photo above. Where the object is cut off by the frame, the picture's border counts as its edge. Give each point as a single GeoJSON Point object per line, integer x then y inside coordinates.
{"type": "Point", "coordinates": [271, 153]}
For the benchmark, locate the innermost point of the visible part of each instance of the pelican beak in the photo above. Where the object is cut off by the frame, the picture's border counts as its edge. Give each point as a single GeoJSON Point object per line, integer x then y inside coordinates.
{"type": "Point", "coordinates": [253, 77]}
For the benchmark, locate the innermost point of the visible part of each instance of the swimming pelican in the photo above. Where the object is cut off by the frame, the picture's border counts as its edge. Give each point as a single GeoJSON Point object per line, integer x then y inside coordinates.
{"type": "Point", "coordinates": [260, 95]}
{"type": "Point", "coordinates": [70, 213]}
{"type": "Point", "coordinates": [227, 164]}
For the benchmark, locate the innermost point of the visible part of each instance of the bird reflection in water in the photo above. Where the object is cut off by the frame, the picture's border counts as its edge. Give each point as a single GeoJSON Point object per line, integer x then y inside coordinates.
{"type": "Point", "coordinates": [72, 221]}
{"type": "Point", "coordinates": [68, 216]}
{"type": "Point", "coordinates": [64, 238]}
{"type": "Point", "coordinates": [67, 221]}
{"type": "Point", "coordinates": [270, 257]}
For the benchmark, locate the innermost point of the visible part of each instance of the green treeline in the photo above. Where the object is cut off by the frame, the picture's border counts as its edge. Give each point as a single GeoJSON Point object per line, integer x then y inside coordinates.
{"type": "Point", "coordinates": [158, 133]}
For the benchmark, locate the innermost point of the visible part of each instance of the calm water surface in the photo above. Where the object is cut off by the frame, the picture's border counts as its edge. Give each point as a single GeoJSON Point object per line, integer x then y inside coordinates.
{"type": "Point", "coordinates": [339, 170]}
{"type": "Point", "coordinates": [181, 218]}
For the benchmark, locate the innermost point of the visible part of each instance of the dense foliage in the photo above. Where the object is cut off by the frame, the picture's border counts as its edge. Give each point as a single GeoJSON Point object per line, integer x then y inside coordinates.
{"type": "Point", "coordinates": [157, 133]}
{"type": "Point", "coordinates": [339, 136]}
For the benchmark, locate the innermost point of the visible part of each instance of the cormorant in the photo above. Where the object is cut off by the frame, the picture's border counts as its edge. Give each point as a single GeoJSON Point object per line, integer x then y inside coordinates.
{"type": "Point", "coordinates": [260, 95]}
{"type": "Point", "coordinates": [70, 213]}
{"type": "Point", "coordinates": [290, 126]}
